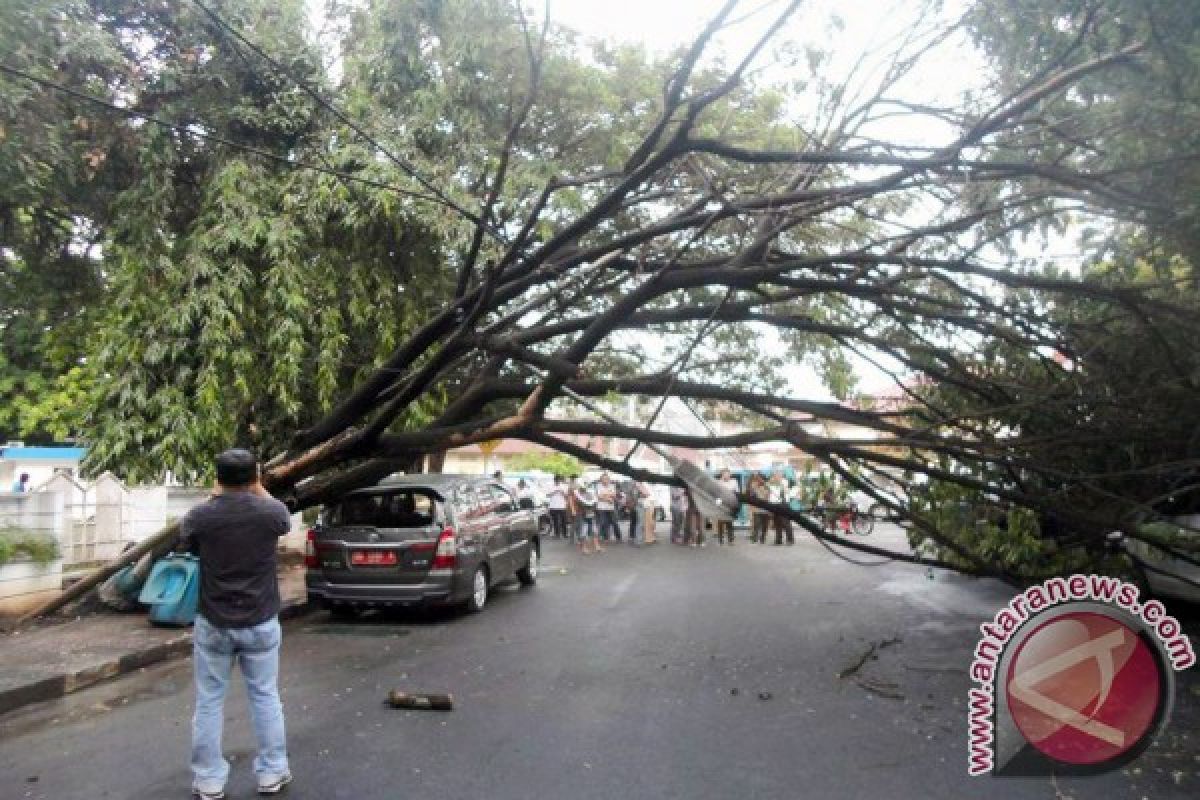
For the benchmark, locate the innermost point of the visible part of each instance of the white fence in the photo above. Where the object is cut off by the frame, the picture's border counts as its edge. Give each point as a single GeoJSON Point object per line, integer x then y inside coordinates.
{"type": "Point", "coordinates": [92, 522]}
{"type": "Point", "coordinates": [23, 582]}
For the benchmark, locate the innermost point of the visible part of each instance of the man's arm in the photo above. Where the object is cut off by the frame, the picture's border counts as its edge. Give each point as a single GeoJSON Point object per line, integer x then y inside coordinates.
{"type": "Point", "coordinates": [284, 519]}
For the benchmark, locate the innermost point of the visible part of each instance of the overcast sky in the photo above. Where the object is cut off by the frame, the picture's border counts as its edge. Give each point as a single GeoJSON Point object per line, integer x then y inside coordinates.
{"type": "Point", "coordinates": [870, 27]}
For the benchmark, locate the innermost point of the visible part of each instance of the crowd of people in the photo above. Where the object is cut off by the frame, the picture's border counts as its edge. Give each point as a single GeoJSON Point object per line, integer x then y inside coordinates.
{"type": "Point", "coordinates": [593, 515]}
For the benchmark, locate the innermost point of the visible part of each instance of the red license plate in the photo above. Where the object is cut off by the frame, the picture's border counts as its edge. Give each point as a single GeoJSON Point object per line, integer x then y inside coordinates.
{"type": "Point", "coordinates": [373, 558]}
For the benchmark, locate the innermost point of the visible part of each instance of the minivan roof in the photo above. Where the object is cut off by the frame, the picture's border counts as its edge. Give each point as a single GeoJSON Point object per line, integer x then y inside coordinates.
{"type": "Point", "coordinates": [438, 482]}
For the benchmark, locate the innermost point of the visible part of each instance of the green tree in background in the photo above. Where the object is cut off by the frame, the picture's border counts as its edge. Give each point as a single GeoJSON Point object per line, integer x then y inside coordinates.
{"type": "Point", "coordinates": [1127, 376]}
{"type": "Point", "coordinates": [496, 219]}
{"type": "Point", "coordinates": [171, 292]}
{"type": "Point", "coordinates": [554, 463]}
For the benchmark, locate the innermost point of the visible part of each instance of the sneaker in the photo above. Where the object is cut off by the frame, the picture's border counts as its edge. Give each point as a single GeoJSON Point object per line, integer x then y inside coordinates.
{"type": "Point", "coordinates": [202, 794]}
{"type": "Point", "coordinates": [274, 786]}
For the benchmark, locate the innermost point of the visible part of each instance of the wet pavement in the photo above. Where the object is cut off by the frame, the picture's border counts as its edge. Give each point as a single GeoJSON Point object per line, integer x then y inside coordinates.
{"type": "Point", "coordinates": [658, 672]}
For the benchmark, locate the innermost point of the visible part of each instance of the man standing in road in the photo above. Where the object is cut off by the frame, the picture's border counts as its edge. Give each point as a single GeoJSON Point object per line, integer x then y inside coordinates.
{"type": "Point", "coordinates": [556, 500]}
{"type": "Point", "coordinates": [631, 499]}
{"type": "Point", "coordinates": [725, 526]}
{"type": "Point", "coordinates": [778, 493]}
{"type": "Point", "coordinates": [679, 516]}
{"type": "Point", "coordinates": [234, 533]}
{"type": "Point", "coordinates": [606, 508]}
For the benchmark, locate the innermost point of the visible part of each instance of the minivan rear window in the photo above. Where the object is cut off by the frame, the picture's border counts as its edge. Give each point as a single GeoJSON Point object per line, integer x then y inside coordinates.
{"type": "Point", "coordinates": [400, 509]}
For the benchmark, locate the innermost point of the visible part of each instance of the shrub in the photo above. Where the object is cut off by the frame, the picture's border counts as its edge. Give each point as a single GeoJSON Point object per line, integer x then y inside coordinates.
{"type": "Point", "coordinates": [40, 548]}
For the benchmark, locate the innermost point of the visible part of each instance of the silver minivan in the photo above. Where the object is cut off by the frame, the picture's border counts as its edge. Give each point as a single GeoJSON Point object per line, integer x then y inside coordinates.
{"type": "Point", "coordinates": [420, 540]}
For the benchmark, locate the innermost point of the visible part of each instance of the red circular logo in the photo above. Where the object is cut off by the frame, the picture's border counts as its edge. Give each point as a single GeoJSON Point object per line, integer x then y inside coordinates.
{"type": "Point", "coordinates": [1084, 688]}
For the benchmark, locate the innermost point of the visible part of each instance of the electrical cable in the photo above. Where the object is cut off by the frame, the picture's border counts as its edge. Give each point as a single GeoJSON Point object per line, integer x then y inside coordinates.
{"type": "Point", "coordinates": [854, 561]}
{"type": "Point", "coordinates": [677, 366]}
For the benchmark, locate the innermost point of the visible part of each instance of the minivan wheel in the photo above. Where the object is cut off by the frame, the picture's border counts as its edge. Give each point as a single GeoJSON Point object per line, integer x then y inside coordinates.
{"type": "Point", "coordinates": [479, 590]}
{"type": "Point", "coordinates": [527, 574]}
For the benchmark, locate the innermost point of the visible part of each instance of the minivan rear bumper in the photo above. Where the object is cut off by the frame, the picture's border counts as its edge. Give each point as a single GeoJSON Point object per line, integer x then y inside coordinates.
{"type": "Point", "coordinates": [322, 591]}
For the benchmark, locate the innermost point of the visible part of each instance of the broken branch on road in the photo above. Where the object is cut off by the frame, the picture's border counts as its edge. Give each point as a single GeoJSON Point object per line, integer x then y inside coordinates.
{"type": "Point", "coordinates": [867, 655]}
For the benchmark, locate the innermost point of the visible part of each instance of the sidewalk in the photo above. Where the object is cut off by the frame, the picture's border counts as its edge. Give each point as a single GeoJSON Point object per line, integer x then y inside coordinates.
{"type": "Point", "coordinates": [42, 663]}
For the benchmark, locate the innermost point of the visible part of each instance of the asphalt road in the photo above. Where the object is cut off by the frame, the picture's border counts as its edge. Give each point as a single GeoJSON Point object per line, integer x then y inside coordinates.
{"type": "Point", "coordinates": [659, 672]}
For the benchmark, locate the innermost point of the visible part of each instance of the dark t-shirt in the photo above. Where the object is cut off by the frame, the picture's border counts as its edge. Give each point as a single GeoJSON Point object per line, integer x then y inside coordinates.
{"type": "Point", "coordinates": [235, 535]}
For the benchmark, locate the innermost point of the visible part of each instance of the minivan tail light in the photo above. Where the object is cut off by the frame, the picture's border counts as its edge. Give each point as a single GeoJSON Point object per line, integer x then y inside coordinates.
{"type": "Point", "coordinates": [446, 555]}
{"type": "Point", "coordinates": [310, 548]}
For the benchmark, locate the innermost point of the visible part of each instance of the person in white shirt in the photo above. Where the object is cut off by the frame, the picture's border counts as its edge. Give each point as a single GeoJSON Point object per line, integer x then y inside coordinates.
{"type": "Point", "coordinates": [679, 510]}
{"type": "Point", "coordinates": [778, 493]}
{"type": "Point", "coordinates": [646, 498]}
{"type": "Point", "coordinates": [725, 526]}
{"type": "Point", "coordinates": [582, 503]}
{"type": "Point", "coordinates": [606, 509]}
{"type": "Point", "coordinates": [525, 498]}
{"type": "Point", "coordinates": [556, 502]}
{"type": "Point", "coordinates": [630, 499]}
{"type": "Point", "coordinates": [756, 487]}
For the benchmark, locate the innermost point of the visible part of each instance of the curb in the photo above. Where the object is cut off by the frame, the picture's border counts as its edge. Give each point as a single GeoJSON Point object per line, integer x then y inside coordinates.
{"type": "Point", "coordinates": [57, 686]}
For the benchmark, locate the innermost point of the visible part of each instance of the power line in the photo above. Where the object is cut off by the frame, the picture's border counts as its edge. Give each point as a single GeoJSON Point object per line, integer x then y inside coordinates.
{"type": "Point", "coordinates": [193, 130]}
{"type": "Point", "coordinates": [312, 92]}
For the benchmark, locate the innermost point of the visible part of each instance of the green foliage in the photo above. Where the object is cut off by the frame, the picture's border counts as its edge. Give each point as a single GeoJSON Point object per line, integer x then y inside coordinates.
{"type": "Point", "coordinates": [1171, 536]}
{"type": "Point", "coordinates": [555, 463]}
{"type": "Point", "coordinates": [1100, 436]}
{"type": "Point", "coordinates": [164, 296]}
{"type": "Point", "coordinates": [15, 542]}
{"type": "Point", "coordinates": [1006, 536]}
{"type": "Point", "coordinates": [1098, 428]}
{"type": "Point", "coordinates": [820, 488]}
{"type": "Point", "coordinates": [1145, 112]}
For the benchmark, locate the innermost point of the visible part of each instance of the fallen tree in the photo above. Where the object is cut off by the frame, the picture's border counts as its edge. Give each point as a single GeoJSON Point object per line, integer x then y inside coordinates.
{"type": "Point", "coordinates": [725, 251]}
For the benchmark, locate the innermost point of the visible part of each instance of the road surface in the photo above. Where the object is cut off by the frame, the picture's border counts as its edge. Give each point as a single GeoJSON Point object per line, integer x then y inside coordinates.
{"type": "Point", "coordinates": [659, 672]}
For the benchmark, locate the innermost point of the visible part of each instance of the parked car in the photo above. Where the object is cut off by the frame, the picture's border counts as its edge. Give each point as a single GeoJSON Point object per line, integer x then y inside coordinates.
{"type": "Point", "coordinates": [420, 540]}
{"type": "Point", "coordinates": [533, 496]}
{"type": "Point", "coordinates": [1185, 529]}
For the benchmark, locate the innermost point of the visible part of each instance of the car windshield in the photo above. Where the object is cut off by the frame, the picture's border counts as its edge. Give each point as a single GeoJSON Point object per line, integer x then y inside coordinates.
{"type": "Point", "coordinates": [409, 508]}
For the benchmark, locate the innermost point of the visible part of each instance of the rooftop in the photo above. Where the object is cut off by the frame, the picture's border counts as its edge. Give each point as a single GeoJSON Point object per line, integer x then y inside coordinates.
{"type": "Point", "coordinates": [53, 453]}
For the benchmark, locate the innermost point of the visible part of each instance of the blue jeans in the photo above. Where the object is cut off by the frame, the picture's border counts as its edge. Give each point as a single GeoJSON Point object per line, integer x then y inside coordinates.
{"type": "Point", "coordinates": [606, 521]}
{"type": "Point", "coordinates": [579, 523]}
{"type": "Point", "coordinates": [256, 649]}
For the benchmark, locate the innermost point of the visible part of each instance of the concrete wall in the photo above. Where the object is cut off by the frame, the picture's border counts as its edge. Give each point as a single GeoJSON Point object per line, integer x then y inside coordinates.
{"type": "Point", "coordinates": [92, 524]}
{"type": "Point", "coordinates": [24, 584]}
